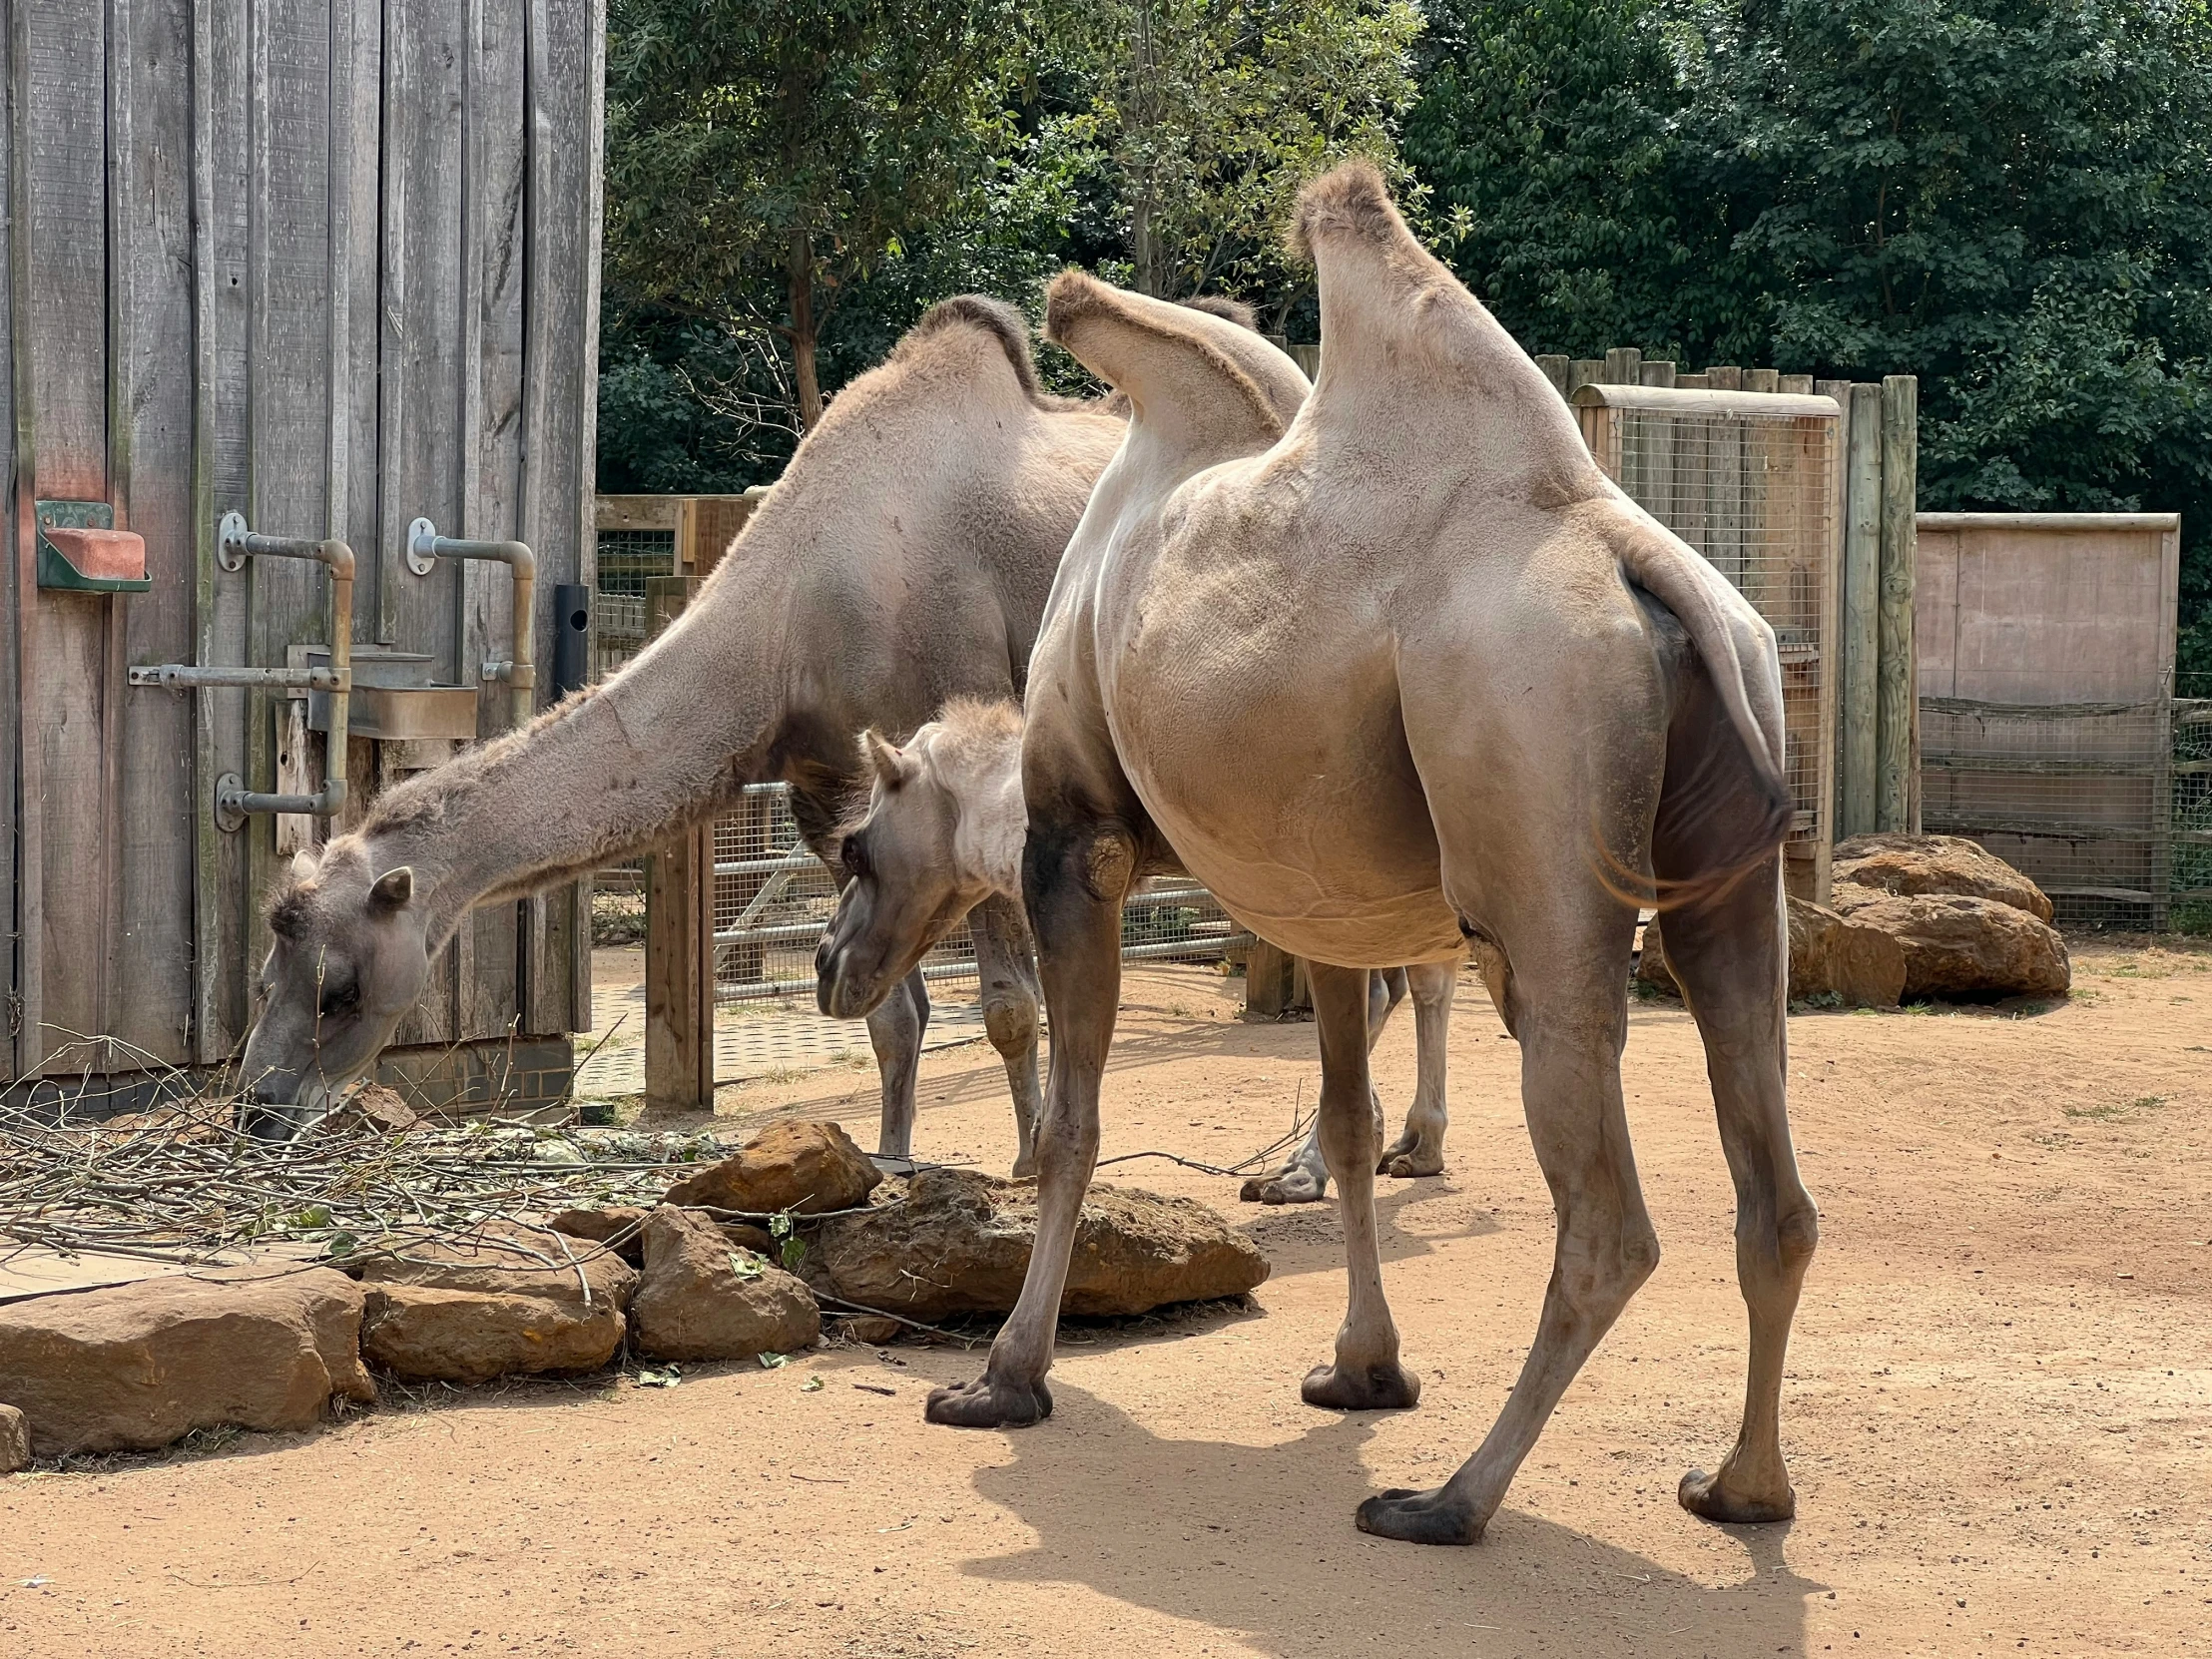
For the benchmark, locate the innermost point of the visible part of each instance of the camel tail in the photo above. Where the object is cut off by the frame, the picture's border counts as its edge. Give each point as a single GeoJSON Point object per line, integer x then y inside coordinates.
{"type": "Point", "coordinates": [1719, 823]}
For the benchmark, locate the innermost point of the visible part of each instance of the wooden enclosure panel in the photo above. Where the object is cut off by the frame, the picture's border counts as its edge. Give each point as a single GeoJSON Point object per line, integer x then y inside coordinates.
{"type": "Point", "coordinates": [2070, 614]}
{"type": "Point", "coordinates": [222, 254]}
{"type": "Point", "coordinates": [59, 259]}
{"type": "Point", "coordinates": [149, 414]}
{"type": "Point", "coordinates": [358, 48]}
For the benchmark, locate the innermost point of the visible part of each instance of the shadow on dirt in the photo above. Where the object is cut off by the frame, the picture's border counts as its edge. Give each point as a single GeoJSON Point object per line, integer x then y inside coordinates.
{"type": "Point", "coordinates": [1257, 1543]}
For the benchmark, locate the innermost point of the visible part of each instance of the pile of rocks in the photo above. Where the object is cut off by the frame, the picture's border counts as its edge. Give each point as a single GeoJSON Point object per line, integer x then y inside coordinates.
{"type": "Point", "coordinates": [696, 1278]}
{"type": "Point", "coordinates": [1912, 917]}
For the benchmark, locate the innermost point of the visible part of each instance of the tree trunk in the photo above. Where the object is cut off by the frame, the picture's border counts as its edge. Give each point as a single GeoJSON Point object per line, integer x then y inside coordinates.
{"type": "Point", "coordinates": [1143, 118]}
{"type": "Point", "coordinates": [799, 273]}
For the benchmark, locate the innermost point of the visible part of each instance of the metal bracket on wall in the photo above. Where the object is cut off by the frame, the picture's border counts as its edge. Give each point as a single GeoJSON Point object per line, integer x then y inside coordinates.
{"type": "Point", "coordinates": [426, 547]}
{"type": "Point", "coordinates": [234, 545]}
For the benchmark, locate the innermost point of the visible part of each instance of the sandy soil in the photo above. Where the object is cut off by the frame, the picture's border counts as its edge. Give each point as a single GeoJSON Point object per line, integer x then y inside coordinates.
{"type": "Point", "coordinates": [1999, 1406]}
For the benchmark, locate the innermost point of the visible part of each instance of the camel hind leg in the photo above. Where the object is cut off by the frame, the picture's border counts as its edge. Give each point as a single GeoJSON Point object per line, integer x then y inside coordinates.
{"type": "Point", "coordinates": [1569, 998]}
{"type": "Point", "coordinates": [1366, 1375]}
{"type": "Point", "coordinates": [1420, 1147]}
{"type": "Point", "coordinates": [1303, 1178]}
{"type": "Point", "coordinates": [1731, 958]}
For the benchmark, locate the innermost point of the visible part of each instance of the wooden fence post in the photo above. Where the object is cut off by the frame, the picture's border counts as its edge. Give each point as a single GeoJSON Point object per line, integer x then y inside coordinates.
{"type": "Point", "coordinates": [1858, 797]}
{"type": "Point", "coordinates": [679, 932]}
{"type": "Point", "coordinates": [1898, 723]}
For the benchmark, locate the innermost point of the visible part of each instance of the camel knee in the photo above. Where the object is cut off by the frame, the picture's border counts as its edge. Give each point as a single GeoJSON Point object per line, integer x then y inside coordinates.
{"type": "Point", "coordinates": [1347, 1133]}
{"type": "Point", "coordinates": [1597, 1276]}
{"type": "Point", "coordinates": [1010, 1020]}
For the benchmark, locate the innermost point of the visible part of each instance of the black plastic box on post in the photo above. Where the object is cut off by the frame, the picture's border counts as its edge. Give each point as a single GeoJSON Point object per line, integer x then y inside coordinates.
{"type": "Point", "coordinates": [571, 638]}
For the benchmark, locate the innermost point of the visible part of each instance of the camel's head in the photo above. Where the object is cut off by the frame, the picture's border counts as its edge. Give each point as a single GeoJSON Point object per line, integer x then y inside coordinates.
{"type": "Point", "coordinates": [944, 831]}
{"type": "Point", "coordinates": [350, 956]}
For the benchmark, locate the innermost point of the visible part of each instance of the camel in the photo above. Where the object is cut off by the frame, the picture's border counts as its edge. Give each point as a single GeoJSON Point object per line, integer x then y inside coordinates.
{"type": "Point", "coordinates": [904, 559]}
{"type": "Point", "coordinates": [1395, 665]}
{"type": "Point", "coordinates": [944, 831]}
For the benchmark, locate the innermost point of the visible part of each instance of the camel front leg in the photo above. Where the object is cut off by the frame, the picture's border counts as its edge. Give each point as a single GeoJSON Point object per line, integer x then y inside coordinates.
{"type": "Point", "coordinates": [1304, 1178]}
{"type": "Point", "coordinates": [1420, 1147]}
{"type": "Point", "coordinates": [1732, 958]}
{"type": "Point", "coordinates": [1075, 890]}
{"type": "Point", "coordinates": [1366, 1375]}
{"type": "Point", "coordinates": [894, 1031]}
{"type": "Point", "coordinates": [1005, 971]}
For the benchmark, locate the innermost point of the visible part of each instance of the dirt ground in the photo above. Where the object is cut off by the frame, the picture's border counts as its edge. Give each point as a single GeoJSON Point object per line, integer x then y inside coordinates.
{"type": "Point", "coordinates": [1998, 1407]}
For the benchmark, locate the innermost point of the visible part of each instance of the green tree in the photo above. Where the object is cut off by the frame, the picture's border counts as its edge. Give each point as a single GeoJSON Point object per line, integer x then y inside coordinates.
{"type": "Point", "coordinates": [783, 147]}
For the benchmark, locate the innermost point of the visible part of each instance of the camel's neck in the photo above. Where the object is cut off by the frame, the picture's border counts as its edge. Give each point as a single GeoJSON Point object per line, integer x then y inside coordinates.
{"type": "Point", "coordinates": [663, 743]}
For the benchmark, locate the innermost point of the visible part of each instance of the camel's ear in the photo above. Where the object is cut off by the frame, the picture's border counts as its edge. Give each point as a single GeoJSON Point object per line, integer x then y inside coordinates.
{"type": "Point", "coordinates": [392, 889]}
{"type": "Point", "coordinates": [892, 769]}
{"type": "Point", "coordinates": [302, 867]}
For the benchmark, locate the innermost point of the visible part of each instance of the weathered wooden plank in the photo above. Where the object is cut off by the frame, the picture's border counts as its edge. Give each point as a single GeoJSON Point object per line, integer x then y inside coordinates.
{"type": "Point", "coordinates": [290, 400]}
{"type": "Point", "coordinates": [11, 633]}
{"type": "Point", "coordinates": [1897, 735]}
{"type": "Point", "coordinates": [491, 427]}
{"type": "Point", "coordinates": [149, 407]}
{"type": "Point", "coordinates": [1795, 384]}
{"type": "Point", "coordinates": [222, 891]}
{"type": "Point", "coordinates": [1859, 717]}
{"type": "Point", "coordinates": [1583, 371]}
{"type": "Point", "coordinates": [566, 46]}
{"type": "Point", "coordinates": [426, 53]}
{"type": "Point", "coordinates": [1762, 381]}
{"type": "Point", "coordinates": [356, 228]}
{"type": "Point", "coordinates": [679, 930]}
{"type": "Point", "coordinates": [1554, 366]}
{"type": "Point", "coordinates": [59, 260]}
{"type": "Point", "coordinates": [1622, 367]}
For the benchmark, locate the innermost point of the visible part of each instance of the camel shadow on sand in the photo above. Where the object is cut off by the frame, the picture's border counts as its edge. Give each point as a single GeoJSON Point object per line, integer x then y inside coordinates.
{"type": "Point", "coordinates": [1257, 1543]}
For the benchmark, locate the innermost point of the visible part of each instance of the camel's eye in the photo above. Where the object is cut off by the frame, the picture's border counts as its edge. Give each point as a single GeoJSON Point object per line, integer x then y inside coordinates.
{"type": "Point", "coordinates": [338, 1000]}
{"type": "Point", "coordinates": [854, 857]}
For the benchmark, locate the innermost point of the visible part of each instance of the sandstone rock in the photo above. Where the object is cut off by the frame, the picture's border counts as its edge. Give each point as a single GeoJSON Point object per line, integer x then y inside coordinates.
{"type": "Point", "coordinates": [806, 1166]}
{"type": "Point", "coordinates": [701, 1299]}
{"type": "Point", "coordinates": [375, 1107]}
{"type": "Point", "coordinates": [511, 1259]}
{"type": "Point", "coordinates": [1834, 957]}
{"type": "Point", "coordinates": [417, 1331]}
{"type": "Point", "coordinates": [600, 1226]}
{"type": "Point", "coordinates": [1910, 864]}
{"type": "Point", "coordinates": [1830, 955]}
{"type": "Point", "coordinates": [1972, 947]}
{"type": "Point", "coordinates": [134, 1367]}
{"type": "Point", "coordinates": [15, 1440]}
{"type": "Point", "coordinates": [961, 1245]}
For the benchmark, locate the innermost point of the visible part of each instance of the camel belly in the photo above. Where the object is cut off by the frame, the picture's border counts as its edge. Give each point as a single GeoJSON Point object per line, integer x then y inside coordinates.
{"type": "Point", "coordinates": [1290, 793]}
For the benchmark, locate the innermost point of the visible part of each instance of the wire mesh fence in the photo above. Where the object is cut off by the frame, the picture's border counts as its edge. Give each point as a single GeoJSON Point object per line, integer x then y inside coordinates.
{"type": "Point", "coordinates": [2106, 805]}
{"type": "Point", "coordinates": [627, 558]}
{"type": "Point", "coordinates": [774, 898]}
{"type": "Point", "coordinates": [1750, 480]}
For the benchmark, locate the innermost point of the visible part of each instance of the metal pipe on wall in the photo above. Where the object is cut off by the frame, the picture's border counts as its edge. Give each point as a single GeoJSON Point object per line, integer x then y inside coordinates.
{"type": "Point", "coordinates": [519, 673]}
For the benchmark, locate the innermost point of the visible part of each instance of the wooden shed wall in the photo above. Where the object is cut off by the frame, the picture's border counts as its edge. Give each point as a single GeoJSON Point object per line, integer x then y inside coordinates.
{"type": "Point", "coordinates": [332, 264]}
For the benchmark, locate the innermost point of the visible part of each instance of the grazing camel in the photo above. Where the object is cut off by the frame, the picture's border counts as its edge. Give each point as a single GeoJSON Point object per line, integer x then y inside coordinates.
{"type": "Point", "coordinates": [943, 832]}
{"type": "Point", "coordinates": [1395, 665]}
{"type": "Point", "coordinates": [904, 559]}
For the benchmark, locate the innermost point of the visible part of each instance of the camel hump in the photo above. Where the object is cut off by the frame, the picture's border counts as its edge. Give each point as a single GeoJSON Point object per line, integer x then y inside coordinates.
{"type": "Point", "coordinates": [994, 318]}
{"type": "Point", "coordinates": [1349, 199]}
{"type": "Point", "coordinates": [1186, 364]}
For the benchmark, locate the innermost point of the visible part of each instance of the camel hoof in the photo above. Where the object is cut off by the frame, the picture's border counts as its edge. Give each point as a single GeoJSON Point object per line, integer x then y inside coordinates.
{"type": "Point", "coordinates": [1291, 1186]}
{"type": "Point", "coordinates": [983, 1404]}
{"type": "Point", "coordinates": [1406, 1159]}
{"type": "Point", "coordinates": [1418, 1518]}
{"type": "Point", "coordinates": [1707, 1495]}
{"type": "Point", "coordinates": [1026, 1167]}
{"type": "Point", "coordinates": [1385, 1387]}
